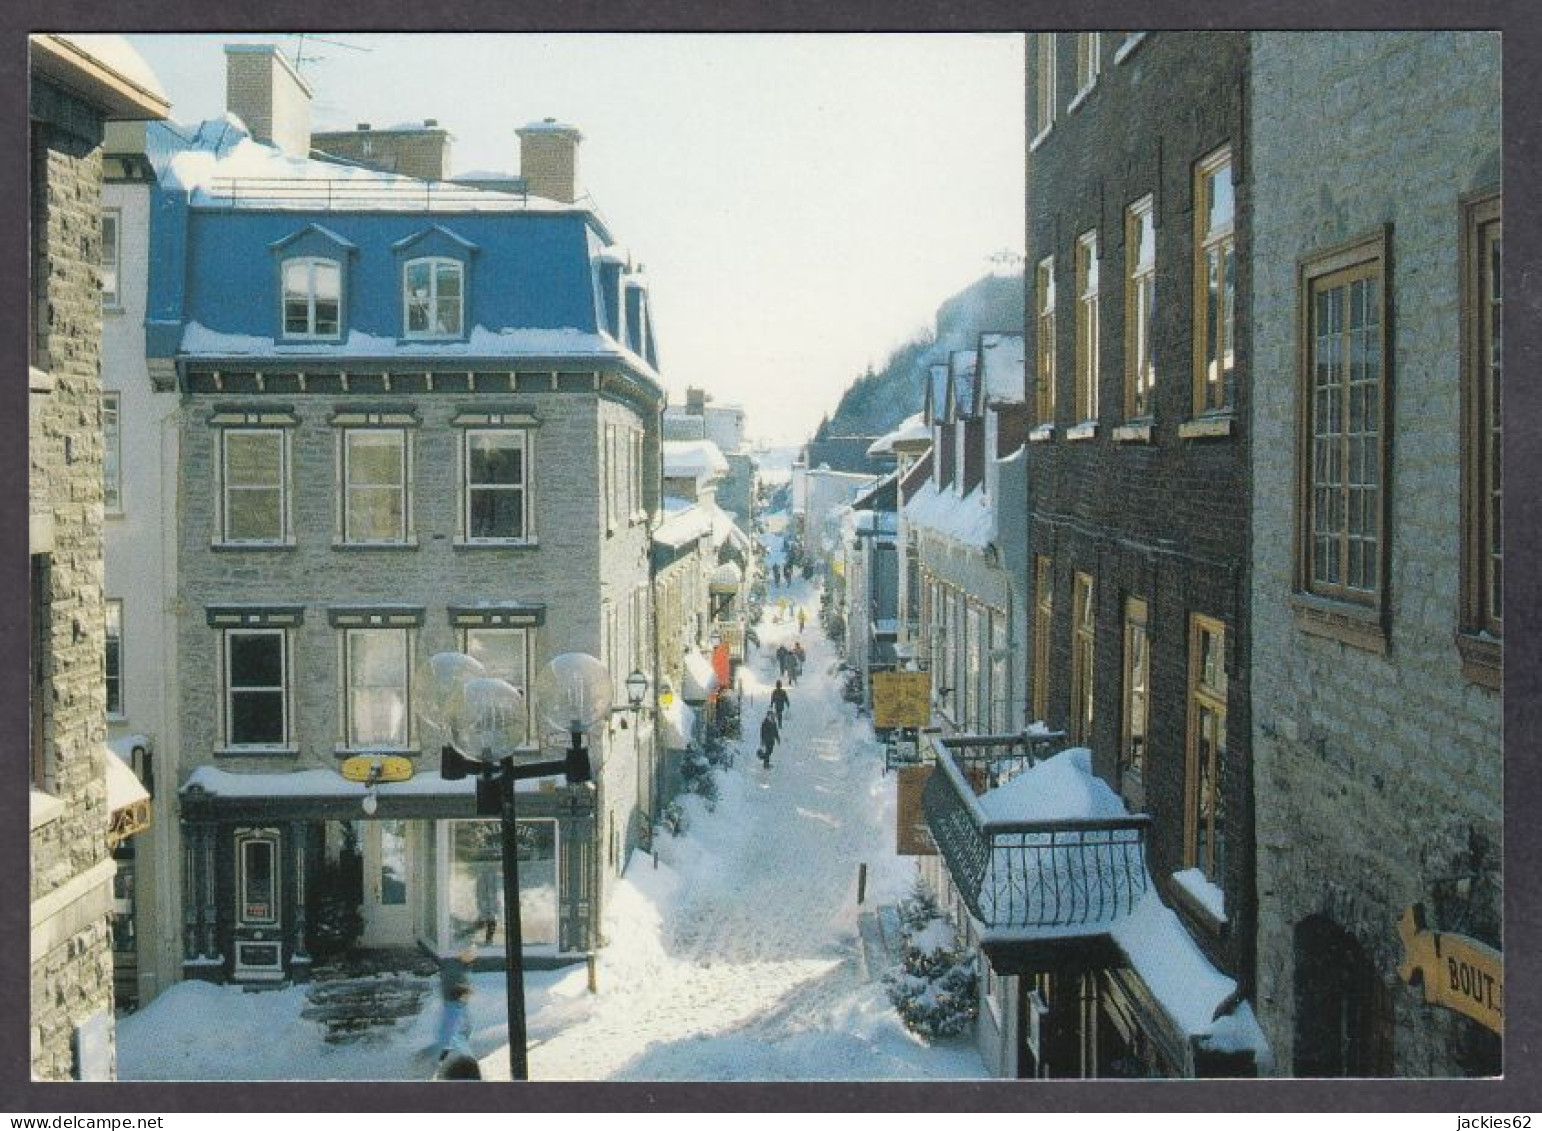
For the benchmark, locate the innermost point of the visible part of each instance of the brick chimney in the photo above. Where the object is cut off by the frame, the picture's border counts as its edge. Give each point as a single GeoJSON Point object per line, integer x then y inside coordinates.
{"type": "Point", "coordinates": [264, 90]}
{"type": "Point", "coordinates": [548, 159]}
{"type": "Point", "coordinates": [409, 149]}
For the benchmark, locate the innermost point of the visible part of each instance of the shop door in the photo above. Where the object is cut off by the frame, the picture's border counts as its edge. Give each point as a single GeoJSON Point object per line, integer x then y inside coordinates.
{"type": "Point", "coordinates": [387, 905]}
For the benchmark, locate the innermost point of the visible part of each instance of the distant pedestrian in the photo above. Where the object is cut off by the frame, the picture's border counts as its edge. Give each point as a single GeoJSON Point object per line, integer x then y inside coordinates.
{"type": "Point", "coordinates": [799, 658]}
{"type": "Point", "coordinates": [802, 620]}
{"type": "Point", "coordinates": [489, 880]}
{"type": "Point", "coordinates": [769, 734]}
{"type": "Point", "coordinates": [781, 659]}
{"type": "Point", "coordinates": [779, 702]}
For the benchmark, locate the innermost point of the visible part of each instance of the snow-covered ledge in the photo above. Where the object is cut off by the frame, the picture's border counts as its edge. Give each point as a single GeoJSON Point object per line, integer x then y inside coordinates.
{"type": "Point", "coordinates": [1201, 896]}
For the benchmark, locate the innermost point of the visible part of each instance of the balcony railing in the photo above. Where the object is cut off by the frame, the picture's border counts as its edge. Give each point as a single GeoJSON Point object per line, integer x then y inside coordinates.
{"type": "Point", "coordinates": [1052, 876]}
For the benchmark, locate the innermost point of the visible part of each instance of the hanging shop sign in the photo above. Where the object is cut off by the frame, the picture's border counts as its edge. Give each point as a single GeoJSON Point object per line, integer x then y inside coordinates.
{"type": "Point", "coordinates": [1458, 972]}
{"type": "Point", "coordinates": [902, 699]}
{"type": "Point", "coordinates": [369, 768]}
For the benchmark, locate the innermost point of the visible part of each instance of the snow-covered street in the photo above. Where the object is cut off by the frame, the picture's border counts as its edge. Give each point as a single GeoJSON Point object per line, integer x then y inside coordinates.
{"type": "Point", "coordinates": [734, 955]}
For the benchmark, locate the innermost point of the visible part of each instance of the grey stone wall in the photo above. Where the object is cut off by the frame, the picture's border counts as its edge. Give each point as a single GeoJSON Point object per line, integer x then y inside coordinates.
{"type": "Point", "coordinates": [1371, 770]}
{"type": "Point", "coordinates": [71, 971]}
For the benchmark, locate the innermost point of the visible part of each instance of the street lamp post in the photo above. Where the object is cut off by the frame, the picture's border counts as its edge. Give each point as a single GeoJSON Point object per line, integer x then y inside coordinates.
{"type": "Point", "coordinates": [487, 716]}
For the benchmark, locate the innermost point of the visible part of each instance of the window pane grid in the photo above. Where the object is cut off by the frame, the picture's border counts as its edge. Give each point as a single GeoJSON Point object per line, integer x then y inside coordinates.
{"type": "Point", "coordinates": [1206, 841]}
{"type": "Point", "coordinates": [495, 485]}
{"type": "Point", "coordinates": [254, 485]}
{"type": "Point", "coordinates": [256, 706]}
{"type": "Point", "coordinates": [1140, 254]}
{"type": "Point", "coordinates": [377, 686]}
{"type": "Point", "coordinates": [1045, 344]}
{"type": "Point", "coordinates": [1087, 327]}
{"type": "Point", "coordinates": [434, 296]}
{"type": "Point", "coordinates": [312, 298]}
{"type": "Point", "coordinates": [1215, 272]}
{"type": "Point", "coordinates": [1137, 686]}
{"type": "Point", "coordinates": [1345, 495]}
{"type": "Point", "coordinates": [1082, 643]}
{"type": "Point", "coordinates": [375, 485]}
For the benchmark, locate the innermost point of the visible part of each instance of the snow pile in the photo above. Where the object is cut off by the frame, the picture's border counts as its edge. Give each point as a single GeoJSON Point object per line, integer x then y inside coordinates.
{"type": "Point", "coordinates": [968, 520]}
{"type": "Point", "coordinates": [1059, 788]}
{"type": "Point", "coordinates": [1207, 894]}
{"type": "Point", "coordinates": [1172, 966]}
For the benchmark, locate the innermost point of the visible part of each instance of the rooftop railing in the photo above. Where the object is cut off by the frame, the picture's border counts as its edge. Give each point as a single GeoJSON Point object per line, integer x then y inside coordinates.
{"type": "Point", "coordinates": [351, 193]}
{"type": "Point", "coordinates": [1050, 875]}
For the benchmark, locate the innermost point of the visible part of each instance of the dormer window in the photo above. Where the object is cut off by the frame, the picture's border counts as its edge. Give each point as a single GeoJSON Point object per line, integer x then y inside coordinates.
{"type": "Point", "coordinates": [433, 295]}
{"type": "Point", "coordinates": [313, 290]}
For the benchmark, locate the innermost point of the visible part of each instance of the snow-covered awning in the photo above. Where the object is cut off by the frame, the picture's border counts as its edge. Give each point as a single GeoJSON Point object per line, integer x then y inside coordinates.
{"type": "Point", "coordinates": [128, 801]}
{"type": "Point", "coordinates": [726, 578]}
{"type": "Point", "coordinates": [700, 680]}
{"type": "Point", "coordinates": [911, 434]}
{"type": "Point", "coordinates": [679, 723]}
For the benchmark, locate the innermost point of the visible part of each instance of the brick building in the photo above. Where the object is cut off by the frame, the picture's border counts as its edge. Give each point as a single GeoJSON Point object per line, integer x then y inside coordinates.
{"type": "Point", "coordinates": [1138, 496]}
{"type": "Point", "coordinates": [1377, 583]}
{"type": "Point", "coordinates": [77, 84]}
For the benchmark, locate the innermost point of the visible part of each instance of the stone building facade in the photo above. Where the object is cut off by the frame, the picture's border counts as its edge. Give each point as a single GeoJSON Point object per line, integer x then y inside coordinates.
{"type": "Point", "coordinates": [76, 85]}
{"type": "Point", "coordinates": [1137, 465]}
{"type": "Point", "coordinates": [417, 418]}
{"type": "Point", "coordinates": [1377, 715]}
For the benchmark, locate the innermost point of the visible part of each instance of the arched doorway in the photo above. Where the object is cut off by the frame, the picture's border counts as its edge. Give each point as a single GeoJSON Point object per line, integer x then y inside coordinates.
{"type": "Point", "coordinates": [1343, 1009]}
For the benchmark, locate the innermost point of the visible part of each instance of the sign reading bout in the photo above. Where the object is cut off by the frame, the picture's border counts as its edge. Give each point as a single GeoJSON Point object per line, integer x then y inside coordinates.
{"type": "Point", "coordinates": [1458, 972]}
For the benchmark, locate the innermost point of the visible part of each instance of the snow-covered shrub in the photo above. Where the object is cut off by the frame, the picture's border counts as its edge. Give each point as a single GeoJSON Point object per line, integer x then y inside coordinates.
{"type": "Point", "coordinates": [697, 774]}
{"type": "Point", "coordinates": [674, 819]}
{"type": "Point", "coordinates": [934, 990]}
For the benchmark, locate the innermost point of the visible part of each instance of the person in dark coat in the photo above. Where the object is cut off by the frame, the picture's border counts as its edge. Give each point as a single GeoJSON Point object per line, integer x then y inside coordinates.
{"type": "Point", "coordinates": [781, 659]}
{"type": "Point", "coordinates": [769, 734]}
{"type": "Point", "coordinates": [779, 702]}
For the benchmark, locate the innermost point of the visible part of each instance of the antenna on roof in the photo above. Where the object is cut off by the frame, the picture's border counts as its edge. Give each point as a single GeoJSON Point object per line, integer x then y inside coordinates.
{"type": "Point", "coordinates": [300, 58]}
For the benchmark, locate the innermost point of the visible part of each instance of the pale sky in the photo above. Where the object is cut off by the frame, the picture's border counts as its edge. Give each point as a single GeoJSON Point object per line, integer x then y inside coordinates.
{"type": "Point", "coordinates": [802, 203]}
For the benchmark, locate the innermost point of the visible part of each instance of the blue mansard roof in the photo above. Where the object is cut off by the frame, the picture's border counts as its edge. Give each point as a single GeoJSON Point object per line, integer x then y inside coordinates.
{"type": "Point", "coordinates": [541, 278]}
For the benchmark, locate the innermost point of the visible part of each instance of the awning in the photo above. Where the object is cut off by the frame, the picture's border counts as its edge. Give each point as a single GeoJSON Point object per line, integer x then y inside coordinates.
{"type": "Point", "coordinates": [726, 578]}
{"type": "Point", "coordinates": [679, 721]}
{"type": "Point", "coordinates": [699, 682]}
{"type": "Point", "coordinates": [128, 802]}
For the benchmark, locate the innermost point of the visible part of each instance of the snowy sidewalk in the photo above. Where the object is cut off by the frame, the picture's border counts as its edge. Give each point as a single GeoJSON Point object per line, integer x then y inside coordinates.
{"type": "Point", "coordinates": [737, 956]}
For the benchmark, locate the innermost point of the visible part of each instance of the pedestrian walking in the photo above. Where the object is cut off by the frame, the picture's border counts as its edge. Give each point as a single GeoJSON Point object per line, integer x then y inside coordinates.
{"type": "Point", "coordinates": [802, 620]}
{"type": "Point", "coordinates": [769, 734]}
{"type": "Point", "coordinates": [489, 881]}
{"type": "Point", "coordinates": [781, 660]}
{"type": "Point", "coordinates": [779, 702]}
{"type": "Point", "coordinates": [455, 1024]}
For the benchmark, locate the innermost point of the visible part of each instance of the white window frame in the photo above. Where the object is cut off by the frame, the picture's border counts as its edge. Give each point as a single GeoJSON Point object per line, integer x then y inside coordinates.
{"type": "Point", "coordinates": [1089, 65]}
{"type": "Point", "coordinates": [1139, 308]}
{"type": "Point", "coordinates": [112, 259]}
{"type": "Point", "coordinates": [345, 668]}
{"type": "Point", "coordinates": [311, 263]}
{"type": "Point", "coordinates": [526, 534]}
{"type": "Point", "coordinates": [526, 636]}
{"type": "Point", "coordinates": [112, 631]}
{"type": "Point", "coordinates": [1046, 81]}
{"type": "Point", "coordinates": [284, 537]}
{"type": "Point", "coordinates": [433, 263]}
{"type": "Point", "coordinates": [347, 488]}
{"type": "Point", "coordinates": [285, 688]}
{"type": "Point", "coordinates": [112, 452]}
{"type": "Point", "coordinates": [1088, 326]}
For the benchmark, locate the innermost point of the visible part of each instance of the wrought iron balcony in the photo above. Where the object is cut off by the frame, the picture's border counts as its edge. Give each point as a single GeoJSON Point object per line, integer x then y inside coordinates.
{"type": "Point", "coordinates": [1053, 877]}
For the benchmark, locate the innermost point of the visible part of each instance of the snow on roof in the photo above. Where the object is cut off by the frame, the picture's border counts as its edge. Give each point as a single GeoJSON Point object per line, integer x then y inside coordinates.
{"type": "Point", "coordinates": [911, 430]}
{"type": "Point", "coordinates": [679, 723]}
{"type": "Point", "coordinates": [1191, 991]}
{"type": "Point", "coordinates": [1059, 788]}
{"type": "Point", "coordinates": [682, 524]}
{"type": "Point", "coordinates": [117, 54]}
{"type": "Point", "coordinates": [200, 341]}
{"type": "Point", "coordinates": [125, 745]}
{"type": "Point", "coordinates": [727, 576]}
{"type": "Point", "coordinates": [220, 166]}
{"type": "Point", "coordinates": [1001, 367]}
{"type": "Point", "coordinates": [693, 459]}
{"type": "Point", "coordinates": [969, 520]}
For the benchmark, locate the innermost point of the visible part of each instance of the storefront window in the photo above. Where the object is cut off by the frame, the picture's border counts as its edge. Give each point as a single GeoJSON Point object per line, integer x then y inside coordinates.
{"type": "Point", "coordinates": [476, 882]}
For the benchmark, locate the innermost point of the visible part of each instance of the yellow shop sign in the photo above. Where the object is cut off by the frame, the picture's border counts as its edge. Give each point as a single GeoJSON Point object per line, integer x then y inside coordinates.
{"type": "Point", "coordinates": [1458, 972]}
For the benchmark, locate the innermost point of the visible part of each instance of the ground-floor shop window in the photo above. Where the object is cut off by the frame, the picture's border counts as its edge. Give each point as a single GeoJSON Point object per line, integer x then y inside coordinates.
{"type": "Point", "coordinates": [475, 875]}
